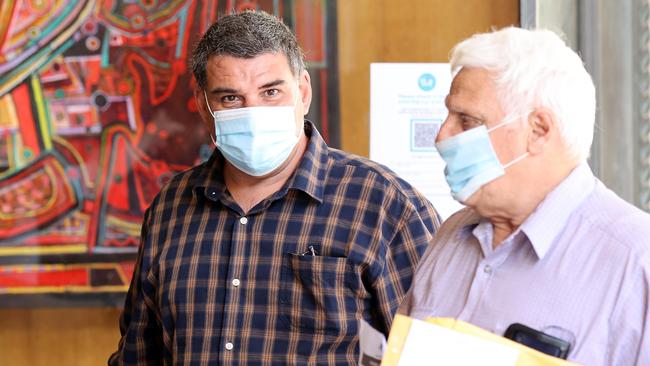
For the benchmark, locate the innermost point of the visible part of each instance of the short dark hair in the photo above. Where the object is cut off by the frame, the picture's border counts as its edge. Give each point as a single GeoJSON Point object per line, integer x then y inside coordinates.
{"type": "Point", "coordinates": [246, 35]}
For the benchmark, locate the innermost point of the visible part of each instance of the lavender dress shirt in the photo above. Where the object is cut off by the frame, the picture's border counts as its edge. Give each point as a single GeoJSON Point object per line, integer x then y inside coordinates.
{"type": "Point", "coordinates": [577, 268]}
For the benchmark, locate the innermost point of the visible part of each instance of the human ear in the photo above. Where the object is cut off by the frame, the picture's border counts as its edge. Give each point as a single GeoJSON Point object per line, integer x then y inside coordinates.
{"type": "Point", "coordinates": [203, 108]}
{"type": "Point", "coordinates": [304, 87]}
{"type": "Point", "coordinates": [542, 124]}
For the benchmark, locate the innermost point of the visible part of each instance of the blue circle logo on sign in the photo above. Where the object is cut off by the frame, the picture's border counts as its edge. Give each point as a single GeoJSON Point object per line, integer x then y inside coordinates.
{"type": "Point", "coordinates": [427, 81]}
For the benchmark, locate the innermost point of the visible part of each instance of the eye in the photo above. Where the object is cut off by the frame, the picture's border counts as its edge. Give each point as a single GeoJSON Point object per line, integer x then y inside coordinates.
{"type": "Point", "coordinates": [469, 122]}
{"type": "Point", "coordinates": [229, 99]}
{"type": "Point", "coordinates": [271, 92]}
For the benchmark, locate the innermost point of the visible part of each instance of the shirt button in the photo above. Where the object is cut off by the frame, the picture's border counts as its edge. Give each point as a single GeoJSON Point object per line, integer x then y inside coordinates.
{"type": "Point", "coordinates": [229, 346]}
{"type": "Point", "coordinates": [487, 269]}
{"type": "Point", "coordinates": [243, 220]}
{"type": "Point", "coordinates": [235, 282]}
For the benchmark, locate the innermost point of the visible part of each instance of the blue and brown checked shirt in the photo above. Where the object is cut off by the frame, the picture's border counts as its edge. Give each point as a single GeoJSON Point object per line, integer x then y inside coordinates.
{"type": "Point", "coordinates": [282, 284]}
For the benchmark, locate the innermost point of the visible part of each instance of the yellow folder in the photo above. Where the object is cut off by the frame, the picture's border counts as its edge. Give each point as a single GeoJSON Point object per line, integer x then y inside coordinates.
{"type": "Point", "coordinates": [447, 341]}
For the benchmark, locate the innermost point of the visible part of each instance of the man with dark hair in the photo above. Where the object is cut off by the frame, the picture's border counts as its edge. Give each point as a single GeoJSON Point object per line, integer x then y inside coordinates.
{"type": "Point", "coordinates": [271, 251]}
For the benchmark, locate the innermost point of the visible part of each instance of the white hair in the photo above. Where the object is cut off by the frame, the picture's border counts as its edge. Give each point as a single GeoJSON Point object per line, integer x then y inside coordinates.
{"type": "Point", "coordinates": [532, 69]}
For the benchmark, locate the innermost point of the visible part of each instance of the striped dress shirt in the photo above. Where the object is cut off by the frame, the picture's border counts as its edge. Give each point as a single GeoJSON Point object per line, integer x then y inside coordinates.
{"type": "Point", "coordinates": [578, 268]}
{"type": "Point", "coordinates": [282, 284]}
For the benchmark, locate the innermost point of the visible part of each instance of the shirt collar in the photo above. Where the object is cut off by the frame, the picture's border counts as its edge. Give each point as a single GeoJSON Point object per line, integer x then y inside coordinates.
{"type": "Point", "coordinates": [551, 215]}
{"type": "Point", "coordinates": [548, 219]}
{"type": "Point", "coordinates": [309, 177]}
{"type": "Point", "coordinates": [311, 174]}
{"type": "Point", "coordinates": [209, 181]}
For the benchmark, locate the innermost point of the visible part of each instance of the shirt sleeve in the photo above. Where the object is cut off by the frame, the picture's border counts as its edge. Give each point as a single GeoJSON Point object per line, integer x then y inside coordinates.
{"type": "Point", "coordinates": [411, 239]}
{"type": "Point", "coordinates": [629, 339]}
{"type": "Point", "coordinates": [141, 335]}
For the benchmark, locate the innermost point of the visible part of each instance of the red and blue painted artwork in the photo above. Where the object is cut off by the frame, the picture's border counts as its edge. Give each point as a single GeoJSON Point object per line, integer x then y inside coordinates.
{"type": "Point", "coordinates": [96, 114]}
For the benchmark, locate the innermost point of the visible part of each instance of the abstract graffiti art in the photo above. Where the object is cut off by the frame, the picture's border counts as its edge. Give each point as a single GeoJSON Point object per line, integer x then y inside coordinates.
{"type": "Point", "coordinates": [96, 114]}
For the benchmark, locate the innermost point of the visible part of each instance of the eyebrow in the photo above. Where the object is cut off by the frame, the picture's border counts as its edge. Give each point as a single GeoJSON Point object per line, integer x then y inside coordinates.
{"type": "Point", "coordinates": [223, 90]}
{"type": "Point", "coordinates": [235, 91]}
{"type": "Point", "coordinates": [272, 84]}
{"type": "Point", "coordinates": [464, 111]}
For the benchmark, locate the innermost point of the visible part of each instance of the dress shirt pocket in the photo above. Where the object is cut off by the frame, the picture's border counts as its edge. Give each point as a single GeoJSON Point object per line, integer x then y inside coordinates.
{"type": "Point", "coordinates": [321, 294]}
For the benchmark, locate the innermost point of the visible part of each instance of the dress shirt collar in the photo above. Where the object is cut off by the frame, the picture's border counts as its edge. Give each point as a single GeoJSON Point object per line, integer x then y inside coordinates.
{"type": "Point", "coordinates": [546, 222]}
{"type": "Point", "coordinates": [552, 214]}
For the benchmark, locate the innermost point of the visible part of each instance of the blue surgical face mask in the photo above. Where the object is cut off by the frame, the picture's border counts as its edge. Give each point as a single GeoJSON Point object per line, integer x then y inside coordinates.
{"type": "Point", "coordinates": [256, 140]}
{"type": "Point", "coordinates": [471, 160]}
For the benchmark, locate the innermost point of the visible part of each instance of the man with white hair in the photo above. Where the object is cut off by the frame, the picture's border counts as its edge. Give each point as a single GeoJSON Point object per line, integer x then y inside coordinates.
{"type": "Point", "coordinates": [542, 242]}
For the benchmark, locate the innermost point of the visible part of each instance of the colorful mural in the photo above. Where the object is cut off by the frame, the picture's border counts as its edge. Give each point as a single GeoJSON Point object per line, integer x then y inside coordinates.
{"type": "Point", "coordinates": [96, 114]}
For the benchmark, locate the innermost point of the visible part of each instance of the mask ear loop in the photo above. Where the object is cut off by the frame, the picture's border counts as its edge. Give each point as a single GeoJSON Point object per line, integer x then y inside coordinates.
{"type": "Point", "coordinates": [298, 97]}
{"type": "Point", "coordinates": [296, 100]}
{"type": "Point", "coordinates": [508, 121]}
{"type": "Point", "coordinates": [516, 160]}
{"type": "Point", "coordinates": [207, 104]}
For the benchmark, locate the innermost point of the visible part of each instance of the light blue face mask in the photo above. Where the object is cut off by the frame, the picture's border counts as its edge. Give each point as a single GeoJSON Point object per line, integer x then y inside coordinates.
{"type": "Point", "coordinates": [471, 160]}
{"type": "Point", "coordinates": [256, 140]}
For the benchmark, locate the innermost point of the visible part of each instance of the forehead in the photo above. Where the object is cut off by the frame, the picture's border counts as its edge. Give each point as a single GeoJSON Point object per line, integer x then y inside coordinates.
{"type": "Point", "coordinates": [472, 88]}
{"type": "Point", "coordinates": [230, 69]}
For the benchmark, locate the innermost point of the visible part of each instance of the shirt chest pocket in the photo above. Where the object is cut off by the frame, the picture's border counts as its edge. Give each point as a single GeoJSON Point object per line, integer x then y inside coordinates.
{"type": "Point", "coordinates": [322, 294]}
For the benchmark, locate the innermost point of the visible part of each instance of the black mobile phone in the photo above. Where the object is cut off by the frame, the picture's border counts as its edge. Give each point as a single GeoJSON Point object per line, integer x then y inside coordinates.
{"type": "Point", "coordinates": [540, 341]}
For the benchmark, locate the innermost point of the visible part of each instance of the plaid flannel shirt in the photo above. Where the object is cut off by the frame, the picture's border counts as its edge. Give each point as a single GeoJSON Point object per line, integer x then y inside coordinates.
{"type": "Point", "coordinates": [215, 285]}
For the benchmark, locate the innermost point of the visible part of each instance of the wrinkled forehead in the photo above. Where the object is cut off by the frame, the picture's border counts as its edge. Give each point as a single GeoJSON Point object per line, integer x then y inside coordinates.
{"type": "Point", "coordinates": [473, 91]}
{"type": "Point", "coordinates": [266, 60]}
{"type": "Point", "coordinates": [473, 84]}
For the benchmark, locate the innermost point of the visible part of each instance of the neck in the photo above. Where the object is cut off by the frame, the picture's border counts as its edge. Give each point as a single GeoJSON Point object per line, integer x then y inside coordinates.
{"type": "Point", "coordinates": [521, 203]}
{"type": "Point", "coordinates": [247, 191]}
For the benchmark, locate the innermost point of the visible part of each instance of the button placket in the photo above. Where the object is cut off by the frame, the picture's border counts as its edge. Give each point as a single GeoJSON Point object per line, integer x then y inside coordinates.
{"type": "Point", "coordinates": [233, 295]}
{"type": "Point", "coordinates": [478, 287]}
{"type": "Point", "coordinates": [487, 269]}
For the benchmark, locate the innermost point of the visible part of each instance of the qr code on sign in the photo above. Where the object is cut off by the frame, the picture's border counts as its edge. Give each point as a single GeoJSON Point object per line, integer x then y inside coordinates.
{"type": "Point", "coordinates": [423, 134]}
